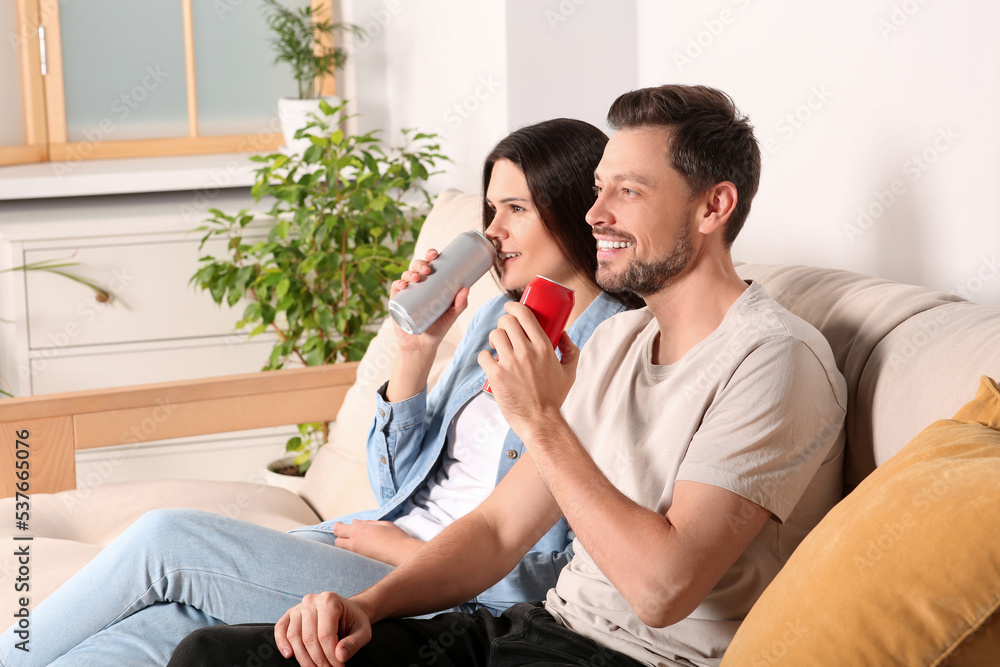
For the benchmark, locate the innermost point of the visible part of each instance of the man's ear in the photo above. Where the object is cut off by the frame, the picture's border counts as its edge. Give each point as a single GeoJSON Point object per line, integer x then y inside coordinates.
{"type": "Point", "coordinates": [719, 203]}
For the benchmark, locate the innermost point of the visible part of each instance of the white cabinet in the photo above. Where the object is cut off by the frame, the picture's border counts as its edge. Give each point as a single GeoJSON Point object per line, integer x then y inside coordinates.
{"type": "Point", "coordinates": [148, 280]}
{"type": "Point", "coordinates": [58, 337]}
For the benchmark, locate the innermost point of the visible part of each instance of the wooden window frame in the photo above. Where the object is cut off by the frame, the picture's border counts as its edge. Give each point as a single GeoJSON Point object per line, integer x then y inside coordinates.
{"type": "Point", "coordinates": [35, 148]}
{"type": "Point", "coordinates": [44, 101]}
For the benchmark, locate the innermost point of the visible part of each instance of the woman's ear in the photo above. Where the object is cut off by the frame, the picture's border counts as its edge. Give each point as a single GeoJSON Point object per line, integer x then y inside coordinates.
{"type": "Point", "coordinates": [719, 203]}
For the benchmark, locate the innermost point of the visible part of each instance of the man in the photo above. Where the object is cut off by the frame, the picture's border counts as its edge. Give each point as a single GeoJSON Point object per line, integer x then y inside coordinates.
{"type": "Point", "coordinates": [702, 442]}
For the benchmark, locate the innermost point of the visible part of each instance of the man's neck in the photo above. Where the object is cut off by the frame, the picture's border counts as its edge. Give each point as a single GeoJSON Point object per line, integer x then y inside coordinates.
{"type": "Point", "coordinates": [691, 307]}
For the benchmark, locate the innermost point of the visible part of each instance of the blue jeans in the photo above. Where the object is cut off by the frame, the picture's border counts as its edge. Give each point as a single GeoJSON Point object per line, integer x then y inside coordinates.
{"type": "Point", "coordinates": [172, 572]}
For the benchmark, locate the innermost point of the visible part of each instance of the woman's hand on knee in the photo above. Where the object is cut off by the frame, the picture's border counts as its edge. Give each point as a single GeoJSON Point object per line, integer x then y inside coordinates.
{"type": "Point", "coordinates": [381, 540]}
{"type": "Point", "coordinates": [323, 630]}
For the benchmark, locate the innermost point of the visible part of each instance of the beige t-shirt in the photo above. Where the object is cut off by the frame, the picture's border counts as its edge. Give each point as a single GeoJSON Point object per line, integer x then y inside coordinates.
{"type": "Point", "coordinates": [756, 408]}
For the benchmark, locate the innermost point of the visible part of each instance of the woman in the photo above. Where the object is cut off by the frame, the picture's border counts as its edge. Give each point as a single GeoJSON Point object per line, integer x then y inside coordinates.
{"type": "Point", "coordinates": [432, 457]}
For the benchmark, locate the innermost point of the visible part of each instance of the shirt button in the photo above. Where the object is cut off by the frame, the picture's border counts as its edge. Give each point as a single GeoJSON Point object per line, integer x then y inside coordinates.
{"type": "Point", "coordinates": [382, 460]}
{"type": "Point", "coordinates": [511, 454]}
{"type": "Point", "coordinates": [381, 412]}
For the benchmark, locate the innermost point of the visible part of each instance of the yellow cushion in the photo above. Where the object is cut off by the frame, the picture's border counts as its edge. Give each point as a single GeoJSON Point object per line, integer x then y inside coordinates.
{"type": "Point", "coordinates": [905, 570]}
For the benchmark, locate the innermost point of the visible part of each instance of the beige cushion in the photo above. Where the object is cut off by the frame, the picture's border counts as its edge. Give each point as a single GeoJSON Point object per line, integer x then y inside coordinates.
{"type": "Point", "coordinates": [905, 570]}
{"type": "Point", "coordinates": [908, 353]}
{"type": "Point", "coordinates": [337, 482]}
{"type": "Point", "coordinates": [926, 366]}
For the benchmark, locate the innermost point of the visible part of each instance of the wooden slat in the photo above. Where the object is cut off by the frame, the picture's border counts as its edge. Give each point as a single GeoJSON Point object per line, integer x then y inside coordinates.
{"type": "Point", "coordinates": [189, 66]}
{"type": "Point", "coordinates": [55, 92]}
{"type": "Point", "coordinates": [32, 82]}
{"type": "Point", "coordinates": [249, 143]}
{"type": "Point", "coordinates": [201, 417]}
{"type": "Point", "coordinates": [327, 84]}
{"type": "Point", "coordinates": [178, 392]}
{"type": "Point", "coordinates": [51, 463]}
{"type": "Point", "coordinates": [59, 424]}
{"type": "Point", "coordinates": [22, 154]}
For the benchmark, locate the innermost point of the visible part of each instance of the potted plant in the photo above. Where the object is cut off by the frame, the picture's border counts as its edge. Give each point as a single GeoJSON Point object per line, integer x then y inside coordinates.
{"type": "Point", "coordinates": [304, 40]}
{"type": "Point", "coordinates": [345, 213]}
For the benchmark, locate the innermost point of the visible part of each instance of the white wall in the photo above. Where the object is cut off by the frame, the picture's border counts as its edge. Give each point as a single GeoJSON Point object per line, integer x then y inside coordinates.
{"type": "Point", "coordinates": [437, 66]}
{"type": "Point", "coordinates": [887, 107]}
{"type": "Point", "coordinates": [853, 100]}
{"type": "Point", "coordinates": [568, 59]}
{"type": "Point", "coordinates": [445, 66]}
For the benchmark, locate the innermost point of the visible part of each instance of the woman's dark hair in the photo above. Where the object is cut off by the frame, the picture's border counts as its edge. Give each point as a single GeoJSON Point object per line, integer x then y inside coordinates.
{"type": "Point", "coordinates": [558, 158]}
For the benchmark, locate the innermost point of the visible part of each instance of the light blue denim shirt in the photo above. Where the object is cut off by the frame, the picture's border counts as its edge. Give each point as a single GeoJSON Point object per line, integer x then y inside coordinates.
{"type": "Point", "coordinates": [406, 441]}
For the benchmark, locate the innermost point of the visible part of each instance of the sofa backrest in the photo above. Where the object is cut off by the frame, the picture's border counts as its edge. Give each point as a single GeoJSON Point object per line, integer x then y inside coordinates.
{"type": "Point", "coordinates": [910, 355]}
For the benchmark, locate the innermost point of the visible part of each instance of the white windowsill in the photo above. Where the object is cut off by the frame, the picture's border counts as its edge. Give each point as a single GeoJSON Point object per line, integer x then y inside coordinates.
{"type": "Point", "coordinates": [127, 175]}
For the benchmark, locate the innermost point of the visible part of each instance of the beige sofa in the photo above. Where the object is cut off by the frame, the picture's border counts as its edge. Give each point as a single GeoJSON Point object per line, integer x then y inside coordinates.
{"type": "Point", "coordinates": [910, 356]}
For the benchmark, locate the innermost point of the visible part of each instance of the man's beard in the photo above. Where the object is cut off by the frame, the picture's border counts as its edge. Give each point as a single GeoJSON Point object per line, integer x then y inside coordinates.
{"type": "Point", "coordinates": [647, 278]}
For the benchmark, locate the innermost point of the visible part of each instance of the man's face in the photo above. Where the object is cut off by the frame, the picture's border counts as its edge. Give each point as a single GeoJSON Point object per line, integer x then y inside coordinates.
{"type": "Point", "coordinates": [642, 216]}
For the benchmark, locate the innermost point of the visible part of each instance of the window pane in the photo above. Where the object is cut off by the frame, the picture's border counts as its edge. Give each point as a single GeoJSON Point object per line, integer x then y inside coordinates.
{"type": "Point", "coordinates": [123, 64]}
{"type": "Point", "coordinates": [11, 102]}
{"type": "Point", "coordinates": [238, 82]}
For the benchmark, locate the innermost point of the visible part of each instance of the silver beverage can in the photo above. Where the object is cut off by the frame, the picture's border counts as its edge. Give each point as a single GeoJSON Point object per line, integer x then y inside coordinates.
{"type": "Point", "coordinates": [460, 264]}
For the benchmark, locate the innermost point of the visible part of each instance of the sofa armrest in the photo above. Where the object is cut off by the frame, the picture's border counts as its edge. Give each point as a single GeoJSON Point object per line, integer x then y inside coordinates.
{"type": "Point", "coordinates": [50, 428]}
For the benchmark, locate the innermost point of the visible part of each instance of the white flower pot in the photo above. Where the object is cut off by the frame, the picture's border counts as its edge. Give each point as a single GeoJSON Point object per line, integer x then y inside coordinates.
{"type": "Point", "coordinates": [290, 482]}
{"type": "Point", "coordinates": [294, 114]}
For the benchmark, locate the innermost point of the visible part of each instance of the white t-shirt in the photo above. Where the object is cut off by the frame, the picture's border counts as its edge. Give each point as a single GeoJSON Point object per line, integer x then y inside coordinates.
{"type": "Point", "coordinates": [756, 408]}
{"type": "Point", "coordinates": [467, 475]}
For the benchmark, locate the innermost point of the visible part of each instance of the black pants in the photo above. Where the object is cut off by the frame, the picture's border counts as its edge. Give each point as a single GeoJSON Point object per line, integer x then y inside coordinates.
{"type": "Point", "coordinates": [524, 635]}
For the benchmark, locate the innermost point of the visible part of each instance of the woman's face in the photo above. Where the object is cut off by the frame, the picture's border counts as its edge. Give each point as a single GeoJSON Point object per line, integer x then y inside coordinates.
{"type": "Point", "coordinates": [525, 247]}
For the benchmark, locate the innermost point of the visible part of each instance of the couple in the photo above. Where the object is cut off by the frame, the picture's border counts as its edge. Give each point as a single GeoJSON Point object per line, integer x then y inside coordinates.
{"type": "Point", "coordinates": [692, 456]}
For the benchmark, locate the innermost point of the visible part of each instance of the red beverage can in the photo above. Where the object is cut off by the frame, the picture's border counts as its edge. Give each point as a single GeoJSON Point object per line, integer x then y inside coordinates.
{"type": "Point", "coordinates": [551, 303]}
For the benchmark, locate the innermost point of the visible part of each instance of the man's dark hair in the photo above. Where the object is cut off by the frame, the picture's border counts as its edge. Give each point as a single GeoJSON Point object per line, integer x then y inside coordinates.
{"type": "Point", "coordinates": [710, 140]}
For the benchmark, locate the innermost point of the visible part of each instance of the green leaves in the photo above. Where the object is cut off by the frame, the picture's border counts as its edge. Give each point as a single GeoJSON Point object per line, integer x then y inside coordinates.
{"type": "Point", "coordinates": [301, 39]}
{"type": "Point", "coordinates": [281, 230]}
{"type": "Point", "coordinates": [344, 218]}
{"type": "Point", "coordinates": [325, 107]}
